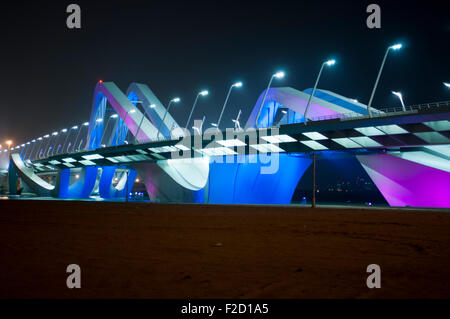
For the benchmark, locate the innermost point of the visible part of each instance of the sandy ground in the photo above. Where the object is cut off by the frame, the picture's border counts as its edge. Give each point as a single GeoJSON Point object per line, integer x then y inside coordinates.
{"type": "Point", "coordinates": [199, 251]}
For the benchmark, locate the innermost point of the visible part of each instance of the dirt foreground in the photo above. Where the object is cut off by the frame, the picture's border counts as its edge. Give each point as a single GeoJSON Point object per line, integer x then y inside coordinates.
{"type": "Point", "coordinates": [141, 250]}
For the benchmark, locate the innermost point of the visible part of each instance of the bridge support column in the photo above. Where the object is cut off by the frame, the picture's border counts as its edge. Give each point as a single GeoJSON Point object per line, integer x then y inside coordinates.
{"type": "Point", "coordinates": [12, 178]}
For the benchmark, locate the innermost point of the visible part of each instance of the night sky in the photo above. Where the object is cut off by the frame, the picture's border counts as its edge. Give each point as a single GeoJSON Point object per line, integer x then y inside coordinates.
{"type": "Point", "coordinates": [48, 72]}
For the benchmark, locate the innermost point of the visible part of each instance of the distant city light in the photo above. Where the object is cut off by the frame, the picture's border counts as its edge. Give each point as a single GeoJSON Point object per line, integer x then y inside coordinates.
{"type": "Point", "coordinates": [152, 106]}
{"type": "Point", "coordinates": [85, 123]}
{"type": "Point", "coordinates": [114, 116]}
{"type": "Point", "coordinates": [64, 130]}
{"type": "Point", "coordinates": [99, 120]}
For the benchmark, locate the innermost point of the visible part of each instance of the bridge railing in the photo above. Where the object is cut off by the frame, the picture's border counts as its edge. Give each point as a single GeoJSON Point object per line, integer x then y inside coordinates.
{"type": "Point", "coordinates": [380, 112]}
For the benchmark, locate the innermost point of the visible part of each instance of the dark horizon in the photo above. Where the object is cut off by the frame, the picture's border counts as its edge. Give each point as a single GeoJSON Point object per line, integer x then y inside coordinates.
{"type": "Point", "coordinates": [49, 72]}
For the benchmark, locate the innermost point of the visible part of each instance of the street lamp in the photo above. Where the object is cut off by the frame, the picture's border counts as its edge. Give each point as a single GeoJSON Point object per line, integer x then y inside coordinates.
{"type": "Point", "coordinates": [51, 147]}
{"type": "Point", "coordinates": [78, 135]}
{"type": "Point", "coordinates": [9, 143]}
{"type": "Point", "coordinates": [114, 116]}
{"type": "Point", "coordinates": [399, 95]}
{"type": "Point", "coordinates": [67, 136]}
{"type": "Point", "coordinates": [123, 123]}
{"type": "Point", "coordinates": [235, 85]}
{"type": "Point", "coordinates": [446, 84]}
{"type": "Point", "coordinates": [142, 120]}
{"type": "Point", "coordinates": [27, 149]}
{"type": "Point", "coordinates": [32, 149]}
{"type": "Point", "coordinates": [278, 75]}
{"type": "Point", "coordinates": [328, 63]}
{"type": "Point", "coordinates": [394, 47]}
{"type": "Point", "coordinates": [36, 141]}
{"type": "Point", "coordinates": [45, 145]}
{"type": "Point", "coordinates": [174, 100]}
{"type": "Point", "coordinates": [202, 93]}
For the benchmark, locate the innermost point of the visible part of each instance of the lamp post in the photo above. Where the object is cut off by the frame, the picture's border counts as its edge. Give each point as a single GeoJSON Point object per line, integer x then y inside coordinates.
{"type": "Point", "coordinates": [45, 145]}
{"type": "Point", "coordinates": [33, 144]}
{"type": "Point", "coordinates": [328, 63]}
{"type": "Point", "coordinates": [399, 95]}
{"type": "Point", "coordinates": [394, 47]}
{"type": "Point", "coordinates": [114, 116]}
{"type": "Point", "coordinates": [446, 84]}
{"type": "Point", "coordinates": [237, 85]}
{"type": "Point", "coordinates": [142, 120]}
{"type": "Point", "coordinates": [174, 100]}
{"type": "Point", "coordinates": [122, 124]}
{"type": "Point", "coordinates": [37, 141]}
{"type": "Point", "coordinates": [78, 135]}
{"type": "Point", "coordinates": [9, 143]}
{"type": "Point", "coordinates": [50, 147]}
{"type": "Point", "coordinates": [278, 75]}
{"type": "Point", "coordinates": [27, 149]}
{"type": "Point", "coordinates": [67, 135]}
{"type": "Point", "coordinates": [202, 93]}
{"type": "Point", "coordinates": [99, 120]}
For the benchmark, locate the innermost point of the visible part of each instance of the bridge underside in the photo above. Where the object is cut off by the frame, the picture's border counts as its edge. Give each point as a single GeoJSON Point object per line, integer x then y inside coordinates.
{"type": "Point", "coordinates": [401, 182]}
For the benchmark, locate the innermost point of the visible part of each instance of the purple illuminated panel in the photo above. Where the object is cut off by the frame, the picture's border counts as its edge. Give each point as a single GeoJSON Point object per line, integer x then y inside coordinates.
{"type": "Point", "coordinates": [405, 183]}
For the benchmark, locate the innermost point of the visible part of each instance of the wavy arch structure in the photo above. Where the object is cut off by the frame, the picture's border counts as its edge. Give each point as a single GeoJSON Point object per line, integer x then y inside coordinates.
{"type": "Point", "coordinates": [37, 184]}
{"type": "Point", "coordinates": [324, 103]}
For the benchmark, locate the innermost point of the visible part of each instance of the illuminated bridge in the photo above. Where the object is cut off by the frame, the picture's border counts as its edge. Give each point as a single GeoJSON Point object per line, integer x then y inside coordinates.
{"type": "Point", "coordinates": [405, 151]}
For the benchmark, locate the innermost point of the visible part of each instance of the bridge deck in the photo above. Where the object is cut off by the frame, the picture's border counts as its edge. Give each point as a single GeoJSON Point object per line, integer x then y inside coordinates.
{"type": "Point", "coordinates": [414, 128]}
